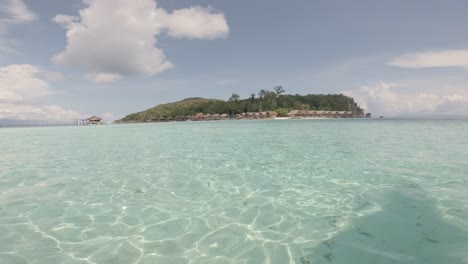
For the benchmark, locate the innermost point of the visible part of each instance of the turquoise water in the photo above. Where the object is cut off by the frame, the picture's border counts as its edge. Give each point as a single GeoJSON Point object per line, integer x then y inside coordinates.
{"type": "Point", "coordinates": [281, 191]}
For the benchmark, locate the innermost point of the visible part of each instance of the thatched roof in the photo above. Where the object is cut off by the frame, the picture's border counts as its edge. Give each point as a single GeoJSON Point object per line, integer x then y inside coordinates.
{"type": "Point", "coordinates": [199, 115]}
{"type": "Point", "coordinates": [94, 118]}
{"type": "Point", "coordinates": [293, 112]}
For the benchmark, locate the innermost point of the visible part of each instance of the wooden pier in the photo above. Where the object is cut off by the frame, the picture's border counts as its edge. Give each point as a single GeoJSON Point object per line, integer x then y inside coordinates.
{"type": "Point", "coordinates": [75, 122]}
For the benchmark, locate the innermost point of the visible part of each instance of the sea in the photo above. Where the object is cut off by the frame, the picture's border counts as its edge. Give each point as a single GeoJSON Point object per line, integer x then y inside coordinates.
{"type": "Point", "coordinates": [268, 191]}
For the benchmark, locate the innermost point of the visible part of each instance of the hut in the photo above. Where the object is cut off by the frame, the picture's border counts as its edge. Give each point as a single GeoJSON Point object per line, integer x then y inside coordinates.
{"type": "Point", "coordinates": [321, 113]}
{"type": "Point", "coordinates": [349, 114]}
{"type": "Point", "coordinates": [302, 113]}
{"type": "Point", "coordinates": [311, 113]}
{"type": "Point", "coordinates": [263, 115]}
{"type": "Point", "coordinates": [224, 116]}
{"type": "Point", "coordinates": [208, 117]}
{"type": "Point", "coordinates": [341, 113]}
{"type": "Point", "coordinates": [94, 120]}
{"type": "Point", "coordinates": [215, 117]}
{"type": "Point", "coordinates": [293, 113]}
{"type": "Point", "coordinates": [198, 117]}
{"type": "Point", "coordinates": [272, 114]}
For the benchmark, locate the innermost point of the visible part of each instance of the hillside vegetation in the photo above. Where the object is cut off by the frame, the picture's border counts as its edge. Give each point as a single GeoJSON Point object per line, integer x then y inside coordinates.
{"type": "Point", "coordinates": [265, 100]}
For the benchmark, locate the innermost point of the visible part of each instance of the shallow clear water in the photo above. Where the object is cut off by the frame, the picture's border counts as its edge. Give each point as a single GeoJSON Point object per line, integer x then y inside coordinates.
{"type": "Point", "coordinates": [282, 191]}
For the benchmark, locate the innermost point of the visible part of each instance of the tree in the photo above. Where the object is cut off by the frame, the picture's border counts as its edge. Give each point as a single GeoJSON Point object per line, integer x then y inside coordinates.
{"type": "Point", "coordinates": [261, 96]}
{"type": "Point", "coordinates": [282, 112]}
{"type": "Point", "coordinates": [234, 97]}
{"type": "Point", "coordinates": [233, 104]}
{"type": "Point", "coordinates": [279, 91]}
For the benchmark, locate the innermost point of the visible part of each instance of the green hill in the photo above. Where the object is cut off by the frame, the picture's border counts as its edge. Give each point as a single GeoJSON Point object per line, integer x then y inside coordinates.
{"type": "Point", "coordinates": [265, 101]}
{"type": "Point", "coordinates": [186, 107]}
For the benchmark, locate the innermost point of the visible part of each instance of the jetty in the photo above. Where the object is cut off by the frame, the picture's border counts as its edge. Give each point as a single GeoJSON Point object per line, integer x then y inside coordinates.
{"type": "Point", "coordinates": [94, 120]}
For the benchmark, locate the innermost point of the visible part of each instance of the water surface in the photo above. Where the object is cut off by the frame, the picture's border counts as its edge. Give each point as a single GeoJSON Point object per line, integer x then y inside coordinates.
{"type": "Point", "coordinates": [281, 191]}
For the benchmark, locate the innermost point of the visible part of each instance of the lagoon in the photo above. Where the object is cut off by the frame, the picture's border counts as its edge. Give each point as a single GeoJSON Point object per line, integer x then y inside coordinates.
{"type": "Point", "coordinates": [270, 191]}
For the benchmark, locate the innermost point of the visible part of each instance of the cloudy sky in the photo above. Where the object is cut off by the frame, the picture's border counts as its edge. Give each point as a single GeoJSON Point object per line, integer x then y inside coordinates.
{"type": "Point", "coordinates": [67, 59]}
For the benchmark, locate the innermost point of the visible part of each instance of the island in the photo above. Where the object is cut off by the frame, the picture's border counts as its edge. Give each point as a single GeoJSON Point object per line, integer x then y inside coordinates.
{"type": "Point", "coordinates": [264, 105]}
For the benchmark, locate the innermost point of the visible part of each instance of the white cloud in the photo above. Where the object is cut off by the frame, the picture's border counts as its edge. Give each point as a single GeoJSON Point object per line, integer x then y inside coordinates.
{"type": "Point", "coordinates": [22, 83]}
{"type": "Point", "coordinates": [12, 12]}
{"type": "Point", "coordinates": [102, 77]}
{"type": "Point", "coordinates": [16, 12]}
{"type": "Point", "coordinates": [21, 89]}
{"type": "Point", "coordinates": [194, 22]}
{"type": "Point", "coordinates": [115, 38]}
{"type": "Point", "coordinates": [445, 58]}
{"type": "Point", "coordinates": [387, 99]}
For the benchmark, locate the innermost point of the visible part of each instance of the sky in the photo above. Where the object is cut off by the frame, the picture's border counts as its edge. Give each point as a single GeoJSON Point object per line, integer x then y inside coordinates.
{"type": "Point", "coordinates": [70, 59]}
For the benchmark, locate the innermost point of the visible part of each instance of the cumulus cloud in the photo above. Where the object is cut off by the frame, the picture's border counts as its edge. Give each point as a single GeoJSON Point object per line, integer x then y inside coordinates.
{"type": "Point", "coordinates": [12, 12]}
{"type": "Point", "coordinates": [386, 99]}
{"type": "Point", "coordinates": [115, 38]}
{"type": "Point", "coordinates": [445, 58]}
{"type": "Point", "coordinates": [21, 89]}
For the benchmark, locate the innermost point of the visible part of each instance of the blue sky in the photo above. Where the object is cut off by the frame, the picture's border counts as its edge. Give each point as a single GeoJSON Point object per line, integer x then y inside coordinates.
{"type": "Point", "coordinates": [73, 58]}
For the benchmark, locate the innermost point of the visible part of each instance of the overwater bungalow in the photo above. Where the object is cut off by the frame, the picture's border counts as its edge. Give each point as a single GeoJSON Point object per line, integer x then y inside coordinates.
{"type": "Point", "coordinates": [94, 120]}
